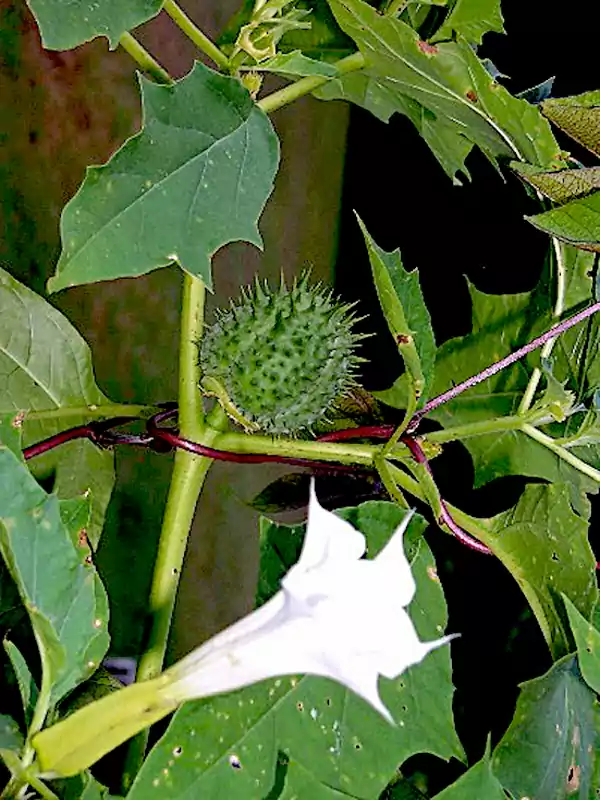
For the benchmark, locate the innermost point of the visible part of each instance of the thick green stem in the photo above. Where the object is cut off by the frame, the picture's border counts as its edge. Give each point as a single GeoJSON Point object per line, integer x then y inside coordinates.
{"type": "Point", "coordinates": [143, 58]}
{"type": "Point", "coordinates": [561, 452]}
{"type": "Point", "coordinates": [343, 453]}
{"type": "Point", "coordinates": [559, 307]}
{"type": "Point", "coordinates": [304, 86]}
{"type": "Point", "coordinates": [191, 412]}
{"type": "Point", "coordinates": [193, 32]}
{"type": "Point", "coordinates": [482, 428]}
{"type": "Point", "coordinates": [392, 488]}
{"type": "Point", "coordinates": [363, 454]}
{"type": "Point", "coordinates": [189, 474]}
{"type": "Point", "coordinates": [514, 423]}
{"type": "Point", "coordinates": [41, 788]}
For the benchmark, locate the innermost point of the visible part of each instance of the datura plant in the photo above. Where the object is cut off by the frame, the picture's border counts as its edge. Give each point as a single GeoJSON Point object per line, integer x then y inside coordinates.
{"type": "Point", "coordinates": [341, 682]}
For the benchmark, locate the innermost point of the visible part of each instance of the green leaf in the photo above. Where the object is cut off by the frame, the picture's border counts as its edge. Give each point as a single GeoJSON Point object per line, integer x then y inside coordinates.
{"type": "Point", "coordinates": [543, 543]}
{"type": "Point", "coordinates": [472, 19]}
{"type": "Point", "coordinates": [27, 686]}
{"type": "Point", "coordinates": [501, 324]}
{"type": "Point", "coordinates": [382, 99]}
{"type": "Point", "coordinates": [75, 516]}
{"type": "Point", "coordinates": [579, 116]}
{"type": "Point", "coordinates": [10, 434]}
{"type": "Point", "coordinates": [83, 787]}
{"type": "Point", "coordinates": [332, 736]}
{"type": "Point", "coordinates": [370, 91]}
{"type": "Point", "coordinates": [577, 222]}
{"type": "Point", "coordinates": [478, 783]}
{"type": "Point", "coordinates": [295, 64]}
{"type": "Point", "coordinates": [406, 314]}
{"type": "Point", "coordinates": [552, 743]}
{"type": "Point", "coordinates": [587, 639]}
{"type": "Point", "coordinates": [222, 747]}
{"type": "Point", "coordinates": [47, 383]}
{"type": "Point", "coordinates": [45, 365]}
{"type": "Point", "coordinates": [449, 146]}
{"type": "Point", "coordinates": [84, 470]}
{"type": "Point", "coordinates": [194, 179]}
{"type": "Point", "coordinates": [450, 81]}
{"type": "Point", "coordinates": [11, 737]}
{"type": "Point", "coordinates": [560, 185]}
{"type": "Point", "coordinates": [301, 783]}
{"type": "Point", "coordinates": [61, 592]}
{"type": "Point", "coordinates": [64, 24]}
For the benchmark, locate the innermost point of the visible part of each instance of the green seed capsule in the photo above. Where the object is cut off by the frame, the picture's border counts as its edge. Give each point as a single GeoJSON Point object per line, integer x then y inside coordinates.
{"type": "Point", "coordinates": [277, 360]}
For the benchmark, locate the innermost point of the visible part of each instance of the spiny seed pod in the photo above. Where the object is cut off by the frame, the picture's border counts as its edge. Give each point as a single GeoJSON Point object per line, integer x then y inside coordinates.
{"type": "Point", "coordinates": [277, 360]}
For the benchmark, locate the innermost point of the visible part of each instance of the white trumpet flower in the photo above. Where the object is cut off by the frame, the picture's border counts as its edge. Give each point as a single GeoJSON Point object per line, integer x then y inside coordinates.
{"type": "Point", "coordinates": [337, 615]}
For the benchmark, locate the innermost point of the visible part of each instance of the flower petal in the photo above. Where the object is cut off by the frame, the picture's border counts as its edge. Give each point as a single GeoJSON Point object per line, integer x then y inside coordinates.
{"type": "Point", "coordinates": [393, 565]}
{"type": "Point", "coordinates": [328, 538]}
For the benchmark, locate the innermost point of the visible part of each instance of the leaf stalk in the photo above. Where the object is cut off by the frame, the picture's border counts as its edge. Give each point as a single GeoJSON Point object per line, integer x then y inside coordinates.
{"type": "Point", "coordinates": [195, 35]}
{"type": "Point", "coordinates": [146, 62]}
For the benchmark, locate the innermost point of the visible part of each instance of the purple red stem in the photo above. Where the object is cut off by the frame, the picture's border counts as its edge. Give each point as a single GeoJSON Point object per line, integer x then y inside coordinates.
{"type": "Point", "coordinates": [446, 517]}
{"type": "Point", "coordinates": [173, 438]}
{"type": "Point", "coordinates": [101, 434]}
{"type": "Point", "coordinates": [497, 366]}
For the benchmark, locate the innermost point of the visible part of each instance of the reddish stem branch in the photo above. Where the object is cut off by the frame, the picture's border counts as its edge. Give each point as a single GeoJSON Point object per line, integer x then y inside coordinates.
{"type": "Point", "coordinates": [100, 433]}
{"type": "Point", "coordinates": [384, 432]}
{"type": "Point", "coordinates": [39, 448]}
{"type": "Point", "coordinates": [561, 327]}
{"type": "Point", "coordinates": [163, 440]}
{"type": "Point", "coordinates": [364, 432]}
{"type": "Point", "coordinates": [446, 517]}
{"type": "Point", "coordinates": [172, 438]}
